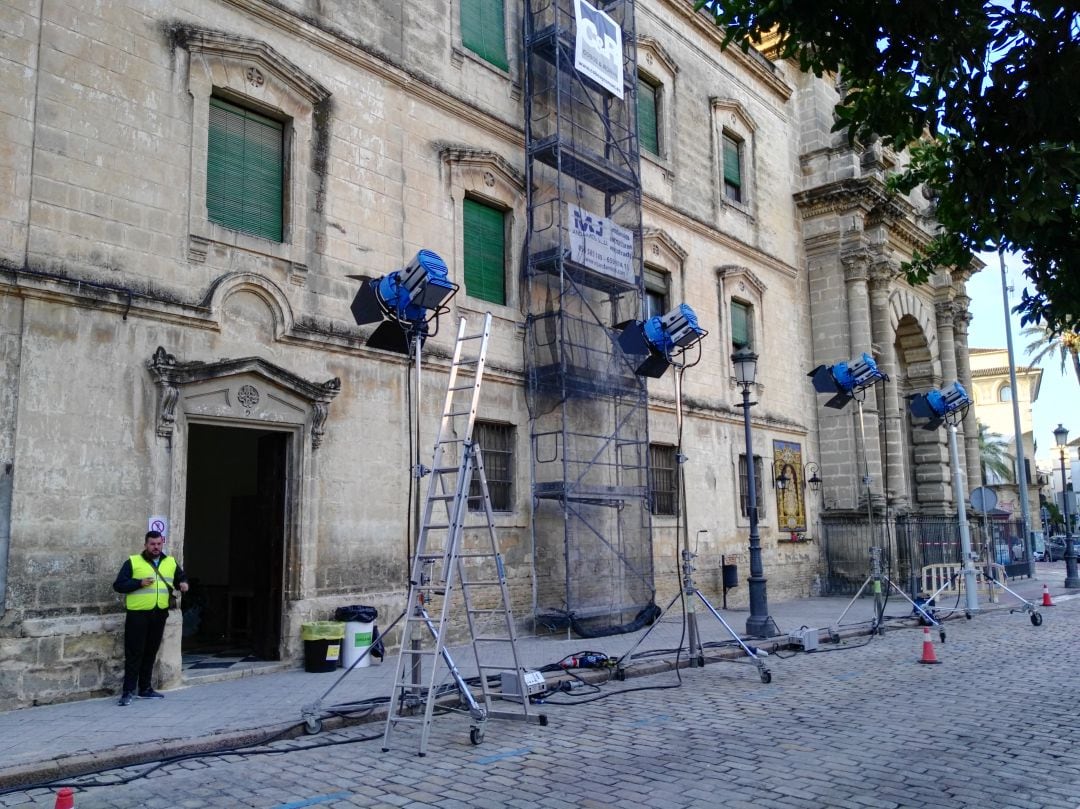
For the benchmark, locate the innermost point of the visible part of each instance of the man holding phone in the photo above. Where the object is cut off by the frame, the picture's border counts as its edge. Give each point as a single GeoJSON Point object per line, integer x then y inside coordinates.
{"type": "Point", "coordinates": [147, 580]}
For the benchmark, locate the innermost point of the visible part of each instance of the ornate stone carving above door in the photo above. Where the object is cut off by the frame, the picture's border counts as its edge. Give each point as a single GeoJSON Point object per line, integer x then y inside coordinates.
{"type": "Point", "coordinates": [248, 388]}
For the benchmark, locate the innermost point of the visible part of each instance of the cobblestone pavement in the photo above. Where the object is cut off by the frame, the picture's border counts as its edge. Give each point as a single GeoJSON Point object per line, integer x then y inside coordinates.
{"type": "Point", "coordinates": [862, 726]}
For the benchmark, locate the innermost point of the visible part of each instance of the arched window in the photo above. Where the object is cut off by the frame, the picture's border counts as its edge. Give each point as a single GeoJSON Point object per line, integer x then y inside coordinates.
{"type": "Point", "coordinates": [1005, 394]}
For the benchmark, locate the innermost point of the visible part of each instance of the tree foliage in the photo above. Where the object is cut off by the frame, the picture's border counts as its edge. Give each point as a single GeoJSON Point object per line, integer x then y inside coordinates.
{"type": "Point", "coordinates": [994, 457]}
{"type": "Point", "coordinates": [1045, 343]}
{"type": "Point", "coordinates": [984, 93]}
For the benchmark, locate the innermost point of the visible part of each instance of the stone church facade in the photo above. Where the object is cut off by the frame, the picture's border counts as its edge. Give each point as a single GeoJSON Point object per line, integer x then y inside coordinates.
{"type": "Point", "coordinates": [160, 361]}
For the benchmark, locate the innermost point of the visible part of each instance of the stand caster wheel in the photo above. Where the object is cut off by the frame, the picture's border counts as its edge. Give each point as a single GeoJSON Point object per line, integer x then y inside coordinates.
{"type": "Point", "coordinates": [312, 726]}
{"type": "Point", "coordinates": [542, 720]}
{"type": "Point", "coordinates": [476, 736]}
{"type": "Point", "coordinates": [1036, 619]}
{"type": "Point", "coordinates": [967, 615]}
{"type": "Point", "coordinates": [700, 662]}
{"type": "Point", "coordinates": [766, 676]}
{"type": "Point", "coordinates": [941, 634]}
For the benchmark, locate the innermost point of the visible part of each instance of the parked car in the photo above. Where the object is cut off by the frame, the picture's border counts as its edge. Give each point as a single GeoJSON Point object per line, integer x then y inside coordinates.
{"type": "Point", "coordinates": [1055, 549]}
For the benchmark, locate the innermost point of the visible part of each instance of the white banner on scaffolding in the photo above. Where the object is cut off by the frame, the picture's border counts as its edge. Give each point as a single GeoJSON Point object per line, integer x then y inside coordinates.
{"type": "Point", "coordinates": [598, 48]}
{"type": "Point", "coordinates": [601, 245]}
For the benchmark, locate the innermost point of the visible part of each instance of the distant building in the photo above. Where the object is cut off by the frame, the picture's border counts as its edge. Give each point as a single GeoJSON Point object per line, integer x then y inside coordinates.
{"type": "Point", "coordinates": [993, 395]}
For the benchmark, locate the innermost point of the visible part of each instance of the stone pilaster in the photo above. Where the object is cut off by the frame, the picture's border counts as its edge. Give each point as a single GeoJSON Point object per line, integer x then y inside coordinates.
{"type": "Point", "coordinates": [944, 311]}
{"type": "Point", "coordinates": [881, 277]}
{"type": "Point", "coordinates": [856, 265]}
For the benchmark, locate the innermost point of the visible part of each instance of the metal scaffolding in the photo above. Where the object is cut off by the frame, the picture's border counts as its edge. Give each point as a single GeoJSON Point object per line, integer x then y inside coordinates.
{"type": "Point", "coordinates": [592, 530]}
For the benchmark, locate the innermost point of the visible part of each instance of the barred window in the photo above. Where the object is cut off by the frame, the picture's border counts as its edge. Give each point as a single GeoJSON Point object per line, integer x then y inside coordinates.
{"type": "Point", "coordinates": [496, 442]}
{"type": "Point", "coordinates": [744, 484]}
{"type": "Point", "coordinates": [663, 479]}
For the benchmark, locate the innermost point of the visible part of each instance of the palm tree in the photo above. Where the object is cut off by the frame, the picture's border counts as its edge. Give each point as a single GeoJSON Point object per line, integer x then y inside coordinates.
{"type": "Point", "coordinates": [1044, 344]}
{"type": "Point", "coordinates": [993, 457]}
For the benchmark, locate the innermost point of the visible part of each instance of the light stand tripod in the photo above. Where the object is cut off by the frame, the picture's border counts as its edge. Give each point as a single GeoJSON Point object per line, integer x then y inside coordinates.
{"type": "Point", "coordinates": [688, 590]}
{"type": "Point", "coordinates": [880, 580]}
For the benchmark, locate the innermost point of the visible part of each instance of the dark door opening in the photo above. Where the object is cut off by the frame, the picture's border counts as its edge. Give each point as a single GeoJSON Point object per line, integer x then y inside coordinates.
{"type": "Point", "coordinates": [234, 541]}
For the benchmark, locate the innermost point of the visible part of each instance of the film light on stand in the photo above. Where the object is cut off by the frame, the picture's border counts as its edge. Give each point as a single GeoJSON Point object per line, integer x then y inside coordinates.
{"type": "Point", "coordinates": [947, 404]}
{"type": "Point", "coordinates": [657, 343]}
{"type": "Point", "coordinates": [845, 380]}
{"type": "Point", "coordinates": [404, 302]}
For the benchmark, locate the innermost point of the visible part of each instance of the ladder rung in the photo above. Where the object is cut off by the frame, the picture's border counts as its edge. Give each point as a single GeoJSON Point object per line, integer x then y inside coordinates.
{"type": "Point", "coordinates": [442, 470]}
{"type": "Point", "coordinates": [470, 386]}
{"type": "Point", "coordinates": [472, 336]}
{"type": "Point", "coordinates": [437, 525]}
{"type": "Point", "coordinates": [468, 362]}
{"type": "Point", "coordinates": [494, 667]}
{"type": "Point", "coordinates": [430, 555]}
{"type": "Point", "coordinates": [474, 554]}
{"type": "Point", "coordinates": [493, 640]}
{"type": "Point", "coordinates": [441, 496]}
{"type": "Point", "coordinates": [489, 612]}
{"type": "Point", "coordinates": [408, 720]}
{"type": "Point", "coordinates": [495, 583]}
{"type": "Point", "coordinates": [428, 652]}
{"type": "Point", "coordinates": [458, 412]}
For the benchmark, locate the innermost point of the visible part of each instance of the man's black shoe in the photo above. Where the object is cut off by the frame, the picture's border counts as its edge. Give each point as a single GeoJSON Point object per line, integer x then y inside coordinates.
{"type": "Point", "coordinates": [150, 693]}
{"type": "Point", "coordinates": [125, 699]}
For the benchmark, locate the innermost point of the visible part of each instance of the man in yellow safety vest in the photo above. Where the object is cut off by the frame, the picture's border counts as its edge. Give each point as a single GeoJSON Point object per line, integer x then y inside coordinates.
{"type": "Point", "coordinates": [147, 579]}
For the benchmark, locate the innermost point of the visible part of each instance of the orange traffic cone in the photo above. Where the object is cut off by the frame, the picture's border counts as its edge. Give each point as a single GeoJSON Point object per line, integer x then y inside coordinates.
{"type": "Point", "coordinates": [928, 648]}
{"type": "Point", "coordinates": [65, 799]}
{"type": "Point", "coordinates": [1046, 597]}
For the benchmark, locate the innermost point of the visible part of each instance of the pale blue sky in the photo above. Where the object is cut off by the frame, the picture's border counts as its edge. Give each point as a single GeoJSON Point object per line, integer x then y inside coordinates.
{"type": "Point", "coordinates": [1058, 393]}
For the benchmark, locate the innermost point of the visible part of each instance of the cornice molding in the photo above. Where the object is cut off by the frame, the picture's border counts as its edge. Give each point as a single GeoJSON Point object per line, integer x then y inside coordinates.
{"type": "Point", "coordinates": [748, 252]}
{"type": "Point", "coordinates": [754, 62]}
{"type": "Point", "coordinates": [414, 84]}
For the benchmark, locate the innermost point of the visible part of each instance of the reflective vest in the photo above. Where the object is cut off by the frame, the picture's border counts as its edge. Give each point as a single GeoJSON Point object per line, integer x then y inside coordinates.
{"type": "Point", "coordinates": [157, 594]}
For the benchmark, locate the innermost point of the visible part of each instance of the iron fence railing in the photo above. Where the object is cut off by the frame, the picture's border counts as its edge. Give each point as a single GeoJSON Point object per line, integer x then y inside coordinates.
{"type": "Point", "coordinates": [911, 543]}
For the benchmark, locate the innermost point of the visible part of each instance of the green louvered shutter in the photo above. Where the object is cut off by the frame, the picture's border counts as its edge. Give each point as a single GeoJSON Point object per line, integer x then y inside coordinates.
{"type": "Point", "coordinates": [740, 325]}
{"type": "Point", "coordinates": [483, 30]}
{"type": "Point", "coordinates": [485, 252]}
{"type": "Point", "coordinates": [648, 131]}
{"type": "Point", "coordinates": [244, 171]}
{"type": "Point", "coordinates": [732, 169]}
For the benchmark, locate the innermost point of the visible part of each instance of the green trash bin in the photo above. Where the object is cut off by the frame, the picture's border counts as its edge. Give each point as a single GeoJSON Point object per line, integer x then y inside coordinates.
{"type": "Point", "coordinates": [322, 645]}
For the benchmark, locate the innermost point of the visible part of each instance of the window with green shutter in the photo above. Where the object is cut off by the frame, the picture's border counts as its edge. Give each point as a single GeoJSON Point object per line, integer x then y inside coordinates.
{"type": "Point", "coordinates": [244, 170]}
{"type": "Point", "coordinates": [741, 325]}
{"type": "Point", "coordinates": [648, 126]}
{"type": "Point", "coordinates": [484, 230]}
{"type": "Point", "coordinates": [733, 184]}
{"type": "Point", "coordinates": [483, 30]}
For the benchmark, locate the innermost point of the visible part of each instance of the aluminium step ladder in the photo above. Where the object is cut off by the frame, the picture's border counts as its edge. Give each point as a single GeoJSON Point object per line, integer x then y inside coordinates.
{"type": "Point", "coordinates": [443, 564]}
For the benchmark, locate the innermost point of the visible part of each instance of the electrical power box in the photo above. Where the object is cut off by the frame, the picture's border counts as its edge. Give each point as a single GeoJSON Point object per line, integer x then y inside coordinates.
{"type": "Point", "coordinates": [805, 638]}
{"type": "Point", "coordinates": [534, 684]}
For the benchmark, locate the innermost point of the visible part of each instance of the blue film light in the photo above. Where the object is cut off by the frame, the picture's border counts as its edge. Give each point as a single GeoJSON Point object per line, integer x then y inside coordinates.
{"type": "Point", "coordinates": [652, 345]}
{"type": "Point", "coordinates": [677, 329]}
{"type": "Point", "coordinates": [846, 379]}
{"type": "Point", "coordinates": [947, 404]}
{"type": "Point", "coordinates": [404, 301]}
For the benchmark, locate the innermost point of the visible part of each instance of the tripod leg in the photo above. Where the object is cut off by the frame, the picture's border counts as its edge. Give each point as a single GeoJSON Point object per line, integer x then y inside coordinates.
{"type": "Point", "coordinates": [840, 618]}
{"type": "Point", "coordinates": [619, 668]}
{"type": "Point", "coordinates": [764, 673]}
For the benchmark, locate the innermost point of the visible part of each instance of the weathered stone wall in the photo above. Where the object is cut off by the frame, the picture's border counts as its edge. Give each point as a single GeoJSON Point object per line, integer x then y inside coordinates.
{"type": "Point", "coordinates": [108, 255]}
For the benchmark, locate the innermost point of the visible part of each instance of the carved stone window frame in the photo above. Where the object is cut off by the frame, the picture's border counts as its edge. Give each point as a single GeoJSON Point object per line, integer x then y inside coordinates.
{"type": "Point", "coordinates": [738, 283]}
{"type": "Point", "coordinates": [252, 74]}
{"type": "Point", "coordinates": [489, 178]}
{"type": "Point", "coordinates": [656, 66]}
{"type": "Point", "coordinates": [731, 117]}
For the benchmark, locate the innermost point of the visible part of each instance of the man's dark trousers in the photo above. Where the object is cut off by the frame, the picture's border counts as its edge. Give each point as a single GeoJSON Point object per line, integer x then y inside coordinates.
{"type": "Point", "coordinates": [143, 630]}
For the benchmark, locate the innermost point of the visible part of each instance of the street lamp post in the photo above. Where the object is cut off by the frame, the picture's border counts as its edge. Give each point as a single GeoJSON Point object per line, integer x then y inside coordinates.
{"type": "Point", "coordinates": [1061, 436]}
{"type": "Point", "coordinates": [759, 624]}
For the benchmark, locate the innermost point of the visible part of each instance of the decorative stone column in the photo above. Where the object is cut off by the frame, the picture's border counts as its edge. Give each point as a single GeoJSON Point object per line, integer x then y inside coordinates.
{"type": "Point", "coordinates": [882, 274]}
{"type": "Point", "coordinates": [856, 265]}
